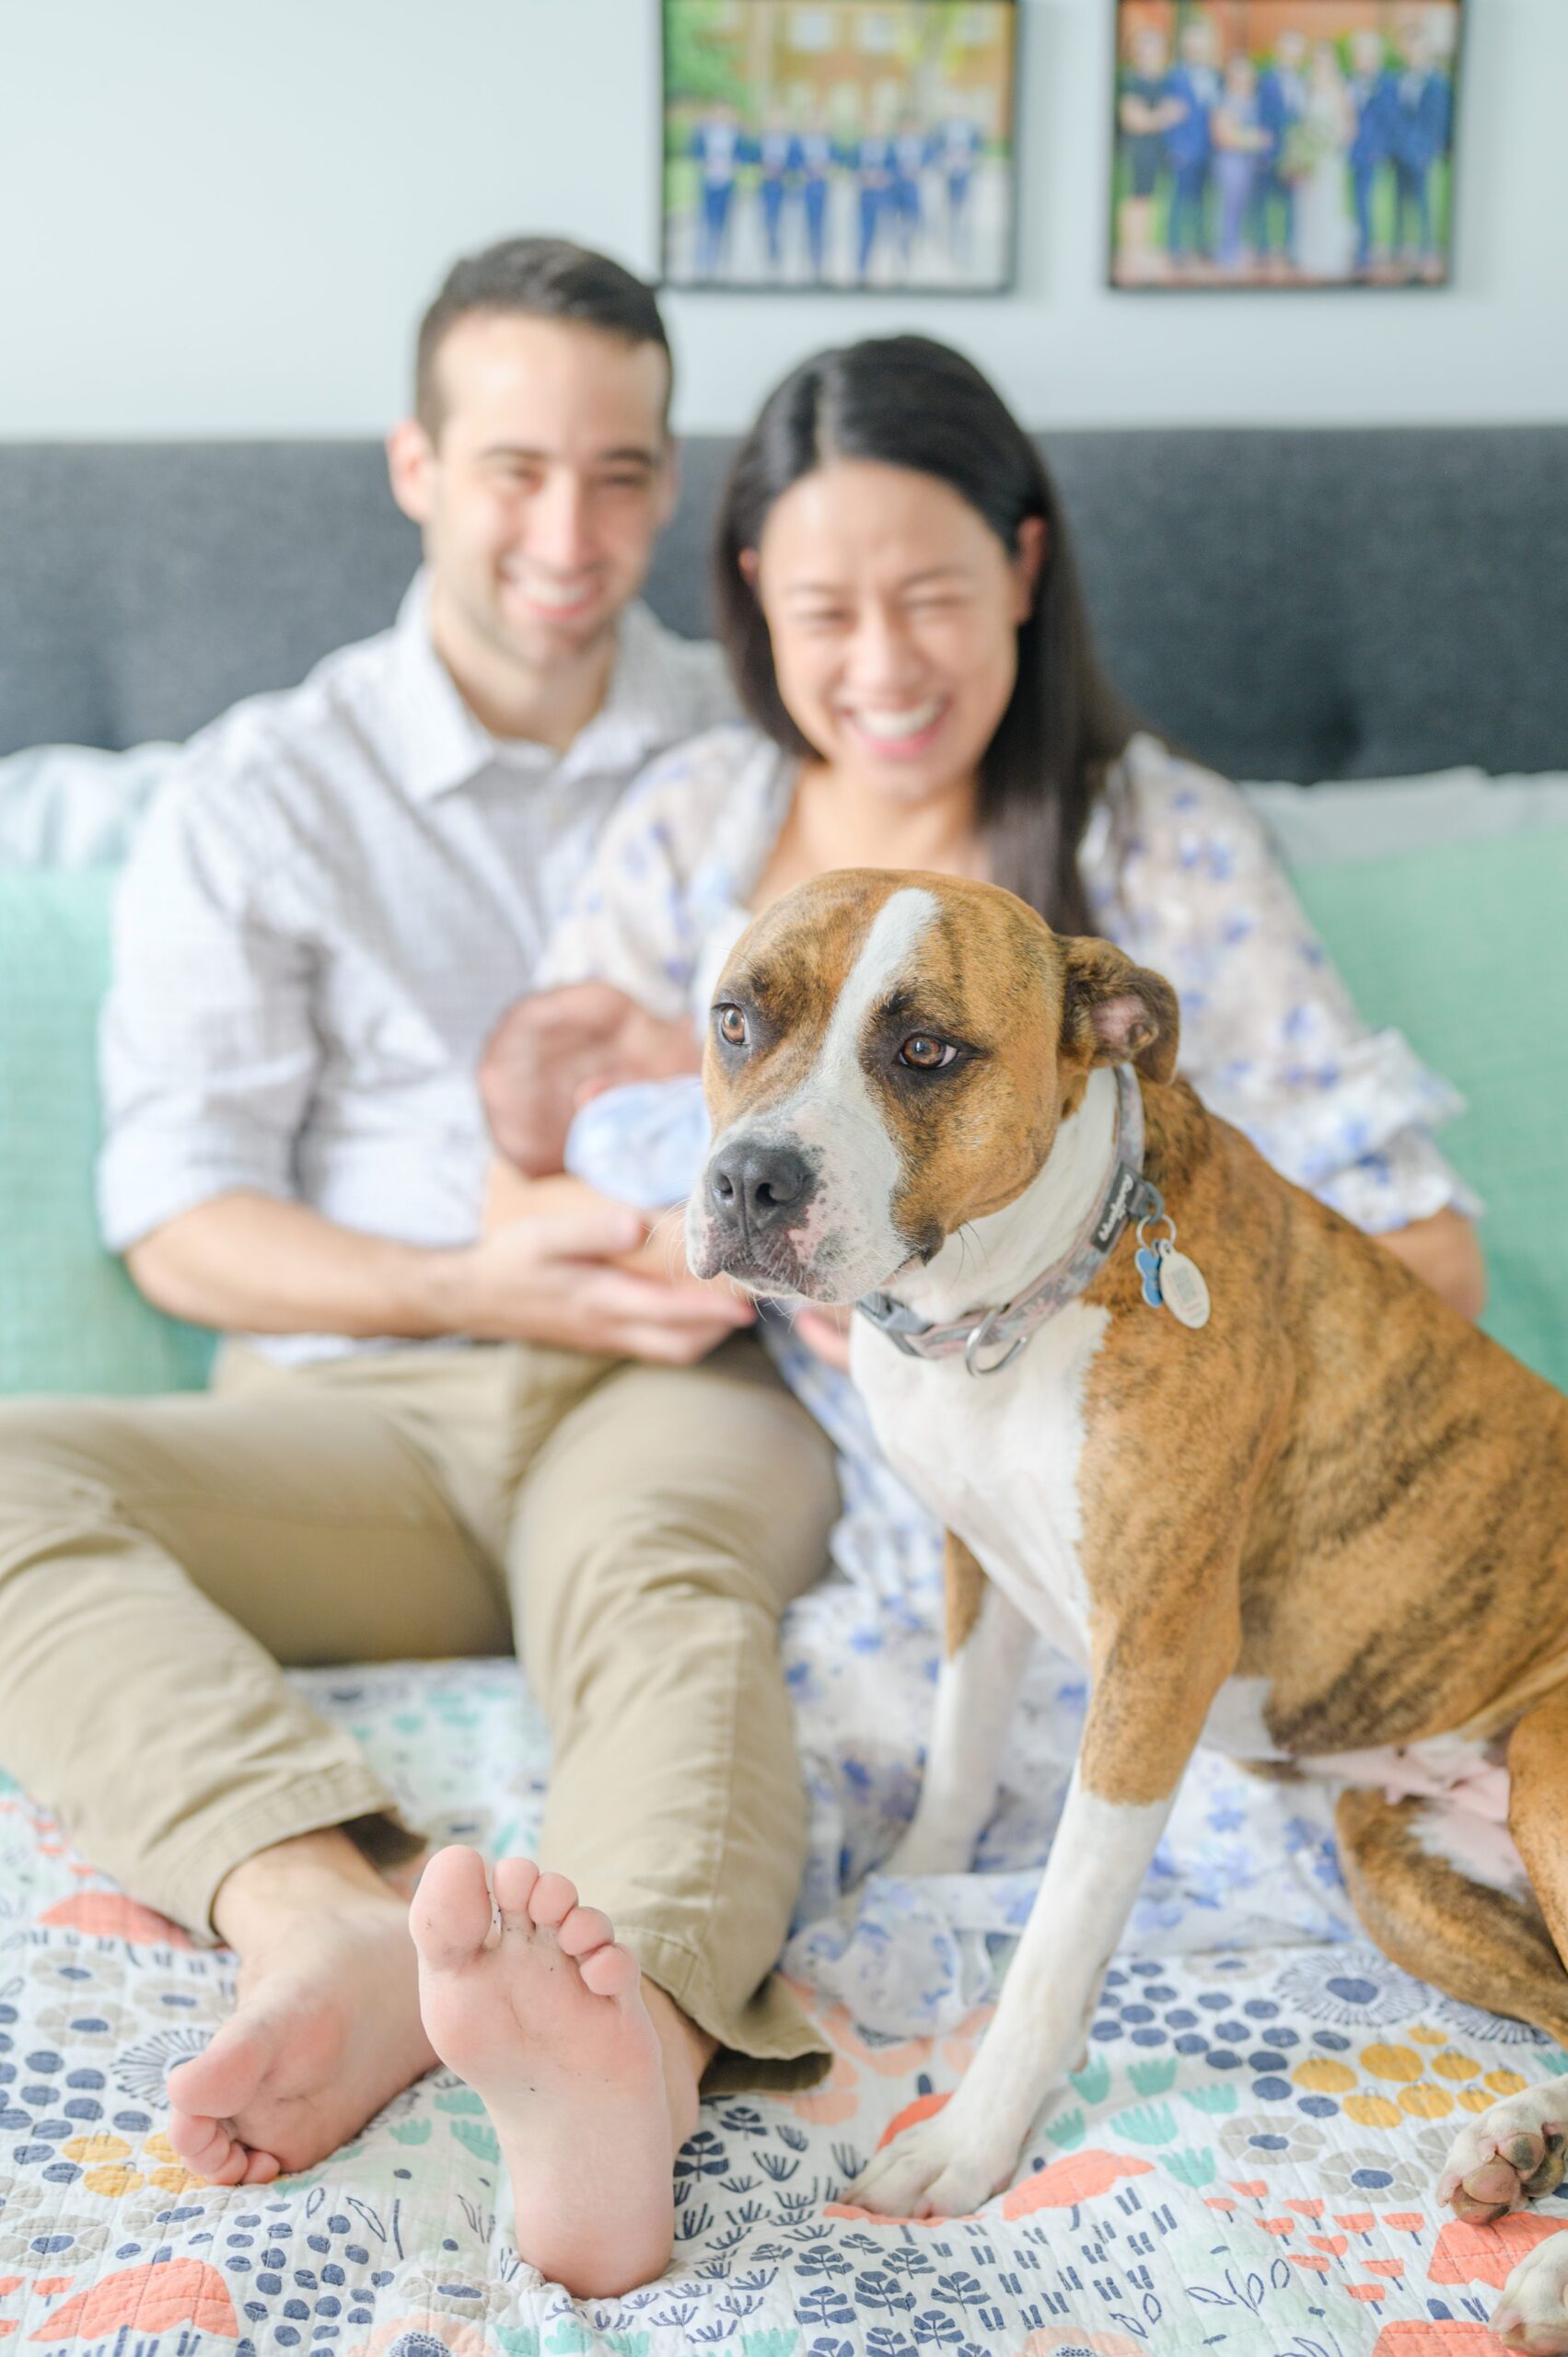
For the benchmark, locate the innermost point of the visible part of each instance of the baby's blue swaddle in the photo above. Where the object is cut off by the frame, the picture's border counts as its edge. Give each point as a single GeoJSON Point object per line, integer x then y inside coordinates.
{"type": "Point", "coordinates": [643, 1143]}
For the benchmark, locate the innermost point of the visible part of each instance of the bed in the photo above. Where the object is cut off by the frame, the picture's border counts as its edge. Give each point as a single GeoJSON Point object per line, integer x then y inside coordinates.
{"type": "Point", "coordinates": [1245, 2161]}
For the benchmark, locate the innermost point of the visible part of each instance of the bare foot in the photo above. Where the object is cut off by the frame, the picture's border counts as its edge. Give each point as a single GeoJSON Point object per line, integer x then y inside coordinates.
{"type": "Point", "coordinates": [547, 2021]}
{"type": "Point", "coordinates": [327, 2028]}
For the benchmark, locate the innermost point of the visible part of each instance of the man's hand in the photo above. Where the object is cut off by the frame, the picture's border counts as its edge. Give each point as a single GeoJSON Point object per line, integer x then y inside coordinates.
{"type": "Point", "coordinates": [554, 1048]}
{"type": "Point", "coordinates": [591, 1278]}
{"type": "Point", "coordinates": [587, 1274]}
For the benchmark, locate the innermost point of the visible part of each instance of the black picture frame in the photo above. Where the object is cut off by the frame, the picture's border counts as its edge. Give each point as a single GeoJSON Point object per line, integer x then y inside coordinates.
{"type": "Point", "coordinates": [802, 203]}
{"type": "Point", "coordinates": [1330, 205]}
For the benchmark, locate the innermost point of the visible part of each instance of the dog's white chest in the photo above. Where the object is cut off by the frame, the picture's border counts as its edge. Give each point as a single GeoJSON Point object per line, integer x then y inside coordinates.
{"type": "Point", "coordinates": [997, 1458]}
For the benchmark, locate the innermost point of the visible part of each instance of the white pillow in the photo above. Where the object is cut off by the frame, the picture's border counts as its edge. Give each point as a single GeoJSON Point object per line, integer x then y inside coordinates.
{"type": "Point", "coordinates": [1317, 826]}
{"type": "Point", "coordinates": [74, 806]}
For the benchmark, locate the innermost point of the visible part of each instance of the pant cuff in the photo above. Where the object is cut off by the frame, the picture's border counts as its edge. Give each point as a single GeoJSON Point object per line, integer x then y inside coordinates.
{"type": "Point", "coordinates": [185, 1881]}
{"type": "Point", "coordinates": [766, 2043]}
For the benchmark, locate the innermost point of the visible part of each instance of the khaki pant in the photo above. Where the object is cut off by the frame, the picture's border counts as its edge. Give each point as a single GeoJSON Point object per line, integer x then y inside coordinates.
{"type": "Point", "coordinates": [639, 1528]}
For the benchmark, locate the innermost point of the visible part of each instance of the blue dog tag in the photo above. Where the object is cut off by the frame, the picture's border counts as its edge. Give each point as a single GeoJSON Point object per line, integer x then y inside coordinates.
{"type": "Point", "coordinates": [1147, 1263]}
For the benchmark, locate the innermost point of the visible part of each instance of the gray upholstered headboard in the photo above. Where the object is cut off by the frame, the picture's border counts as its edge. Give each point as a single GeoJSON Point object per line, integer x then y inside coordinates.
{"type": "Point", "coordinates": [1285, 604]}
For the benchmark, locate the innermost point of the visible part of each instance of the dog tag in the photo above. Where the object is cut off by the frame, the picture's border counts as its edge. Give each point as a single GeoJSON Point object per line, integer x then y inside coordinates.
{"type": "Point", "coordinates": [1182, 1288]}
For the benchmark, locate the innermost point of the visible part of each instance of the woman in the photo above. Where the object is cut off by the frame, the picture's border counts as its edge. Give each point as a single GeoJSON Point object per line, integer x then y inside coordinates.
{"type": "Point", "coordinates": [900, 608]}
{"type": "Point", "coordinates": [1239, 140]}
{"type": "Point", "coordinates": [1325, 231]}
{"type": "Point", "coordinates": [901, 614]}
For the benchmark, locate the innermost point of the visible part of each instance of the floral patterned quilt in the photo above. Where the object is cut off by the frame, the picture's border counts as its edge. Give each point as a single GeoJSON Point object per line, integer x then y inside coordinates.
{"type": "Point", "coordinates": [1245, 2161]}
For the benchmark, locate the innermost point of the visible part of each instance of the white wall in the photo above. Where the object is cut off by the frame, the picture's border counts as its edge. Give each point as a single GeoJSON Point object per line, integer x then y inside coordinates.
{"type": "Point", "coordinates": [224, 216]}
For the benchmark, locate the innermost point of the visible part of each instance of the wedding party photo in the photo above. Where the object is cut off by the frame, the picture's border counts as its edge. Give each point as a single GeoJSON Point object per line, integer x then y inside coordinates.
{"type": "Point", "coordinates": [821, 144]}
{"type": "Point", "coordinates": [1284, 143]}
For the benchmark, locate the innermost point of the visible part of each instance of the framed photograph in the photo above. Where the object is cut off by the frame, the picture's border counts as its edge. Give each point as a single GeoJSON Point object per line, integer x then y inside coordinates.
{"type": "Point", "coordinates": [857, 144]}
{"type": "Point", "coordinates": [1284, 143]}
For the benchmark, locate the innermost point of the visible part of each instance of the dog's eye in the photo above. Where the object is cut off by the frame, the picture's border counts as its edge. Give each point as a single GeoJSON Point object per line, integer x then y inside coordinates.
{"type": "Point", "coordinates": [732, 1026]}
{"type": "Point", "coordinates": [923, 1053]}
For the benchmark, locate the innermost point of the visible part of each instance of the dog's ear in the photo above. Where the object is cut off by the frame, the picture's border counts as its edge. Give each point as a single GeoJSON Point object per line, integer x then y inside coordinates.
{"type": "Point", "coordinates": [1116, 1013]}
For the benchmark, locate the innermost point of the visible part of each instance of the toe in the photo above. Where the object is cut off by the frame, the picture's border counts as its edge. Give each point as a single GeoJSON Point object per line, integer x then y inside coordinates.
{"type": "Point", "coordinates": [261, 2168]}
{"type": "Point", "coordinates": [1525, 2150]}
{"type": "Point", "coordinates": [611, 1972]}
{"type": "Point", "coordinates": [1486, 2192]}
{"type": "Point", "coordinates": [207, 2148]}
{"type": "Point", "coordinates": [225, 2076]}
{"type": "Point", "coordinates": [1548, 2177]}
{"type": "Point", "coordinates": [553, 1901]}
{"type": "Point", "coordinates": [584, 1930]}
{"type": "Point", "coordinates": [515, 1879]}
{"type": "Point", "coordinates": [451, 1913]}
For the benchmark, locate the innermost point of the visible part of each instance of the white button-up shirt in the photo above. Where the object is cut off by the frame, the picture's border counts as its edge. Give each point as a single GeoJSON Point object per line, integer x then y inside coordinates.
{"type": "Point", "coordinates": [334, 897]}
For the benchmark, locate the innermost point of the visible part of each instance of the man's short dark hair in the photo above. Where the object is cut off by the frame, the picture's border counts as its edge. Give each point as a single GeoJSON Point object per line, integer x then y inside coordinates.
{"type": "Point", "coordinates": [537, 278]}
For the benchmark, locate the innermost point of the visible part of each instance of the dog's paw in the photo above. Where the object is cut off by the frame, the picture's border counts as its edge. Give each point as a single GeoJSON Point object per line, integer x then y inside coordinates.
{"type": "Point", "coordinates": [933, 2170]}
{"type": "Point", "coordinates": [1532, 2316]}
{"type": "Point", "coordinates": [1511, 2154]}
{"type": "Point", "coordinates": [930, 1850]}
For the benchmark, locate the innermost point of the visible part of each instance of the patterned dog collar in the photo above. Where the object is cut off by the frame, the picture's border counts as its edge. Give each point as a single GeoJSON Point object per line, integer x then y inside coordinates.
{"type": "Point", "coordinates": [1128, 1196]}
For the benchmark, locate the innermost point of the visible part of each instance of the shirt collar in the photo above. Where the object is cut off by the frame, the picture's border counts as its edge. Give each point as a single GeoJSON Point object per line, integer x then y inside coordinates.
{"type": "Point", "coordinates": [642, 711]}
{"type": "Point", "coordinates": [446, 745]}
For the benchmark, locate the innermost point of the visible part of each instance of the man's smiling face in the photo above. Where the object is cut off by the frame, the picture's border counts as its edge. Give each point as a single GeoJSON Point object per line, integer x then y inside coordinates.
{"type": "Point", "coordinates": [544, 484]}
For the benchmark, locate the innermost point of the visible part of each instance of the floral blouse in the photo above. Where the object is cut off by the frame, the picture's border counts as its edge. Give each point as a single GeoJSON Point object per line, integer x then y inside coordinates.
{"type": "Point", "coordinates": [1179, 873]}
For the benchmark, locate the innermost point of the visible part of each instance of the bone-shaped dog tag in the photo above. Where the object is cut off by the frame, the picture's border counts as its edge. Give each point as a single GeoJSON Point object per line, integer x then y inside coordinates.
{"type": "Point", "coordinates": [1182, 1288]}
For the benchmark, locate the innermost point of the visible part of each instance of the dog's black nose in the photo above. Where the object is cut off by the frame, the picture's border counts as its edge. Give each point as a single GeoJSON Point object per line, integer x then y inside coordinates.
{"type": "Point", "coordinates": [754, 1187]}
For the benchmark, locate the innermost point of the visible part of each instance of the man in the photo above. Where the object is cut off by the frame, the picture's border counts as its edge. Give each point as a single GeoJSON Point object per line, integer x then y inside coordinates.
{"type": "Point", "coordinates": [911, 155]}
{"type": "Point", "coordinates": [874, 176]}
{"type": "Point", "coordinates": [425, 1430]}
{"type": "Point", "coordinates": [716, 148]}
{"type": "Point", "coordinates": [1146, 113]}
{"type": "Point", "coordinates": [1372, 96]}
{"type": "Point", "coordinates": [1281, 103]}
{"type": "Point", "coordinates": [816, 156]}
{"type": "Point", "coordinates": [778, 160]}
{"type": "Point", "coordinates": [1195, 88]}
{"type": "Point", "coordinates": [1419, 114]}
{"type": "Point", "coordinates": [960, 152]}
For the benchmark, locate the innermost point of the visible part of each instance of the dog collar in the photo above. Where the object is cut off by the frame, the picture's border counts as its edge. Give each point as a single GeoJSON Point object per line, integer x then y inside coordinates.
{"type": "Point", "coordinates": [1170, 1281]}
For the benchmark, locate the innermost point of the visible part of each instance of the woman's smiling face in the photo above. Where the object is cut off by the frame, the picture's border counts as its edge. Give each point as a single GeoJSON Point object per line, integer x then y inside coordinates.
{"type": "Point", "coordinates": [893, 610]}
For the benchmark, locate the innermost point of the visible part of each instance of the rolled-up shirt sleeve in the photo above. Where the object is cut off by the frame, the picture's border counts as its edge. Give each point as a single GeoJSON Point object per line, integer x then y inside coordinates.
{"type": "Point", "coordinates": [1270, 1038]}
{"type": "Point", "coordinates": [207, 1051]}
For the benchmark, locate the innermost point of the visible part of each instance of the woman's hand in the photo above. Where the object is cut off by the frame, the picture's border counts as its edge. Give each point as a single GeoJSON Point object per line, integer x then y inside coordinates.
{"type": "Point", "coordinates": [1444, 1253]}
{"type": "Point", "coordinates": [556, 1048]}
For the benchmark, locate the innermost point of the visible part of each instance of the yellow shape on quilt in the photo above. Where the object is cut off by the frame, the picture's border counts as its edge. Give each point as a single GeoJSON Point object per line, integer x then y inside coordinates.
{"type": "Point", "coordinates": [1373, 2111]}
{"type": "Point", "coordinates": [97, 2148]}
{"type": "Point", "coordinates": [1321, 2077]}
{"type": "Point", "coordinates": [1425, 2037]}
{"type": "Point", "coordinates": [1426, 2102]}
{"type": "Point", "coordinates": [173, 2179]}
{"type": "Point", "coordinates": [1391, 2061]}
{"type": "Point", "coordinates": [114, 2181]}
{"type": "Point", "coordinates": [1505, 2083]}
{"type": "Point", "coordinates": [1475, 2099]}
{"type": "Point", "coordinates": [1452, 2065]}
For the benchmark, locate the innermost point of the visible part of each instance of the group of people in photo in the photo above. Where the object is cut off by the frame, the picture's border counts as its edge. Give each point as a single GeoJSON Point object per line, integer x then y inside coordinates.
{"type": "Point", "coordinates": [1317, 160]}
{"type": "Point", "coordinates": [870, 205]}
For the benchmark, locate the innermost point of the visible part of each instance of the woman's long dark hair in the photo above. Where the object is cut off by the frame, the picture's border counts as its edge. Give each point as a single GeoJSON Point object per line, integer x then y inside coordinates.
{"type": "Point", "coordinates": [907, 401]}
